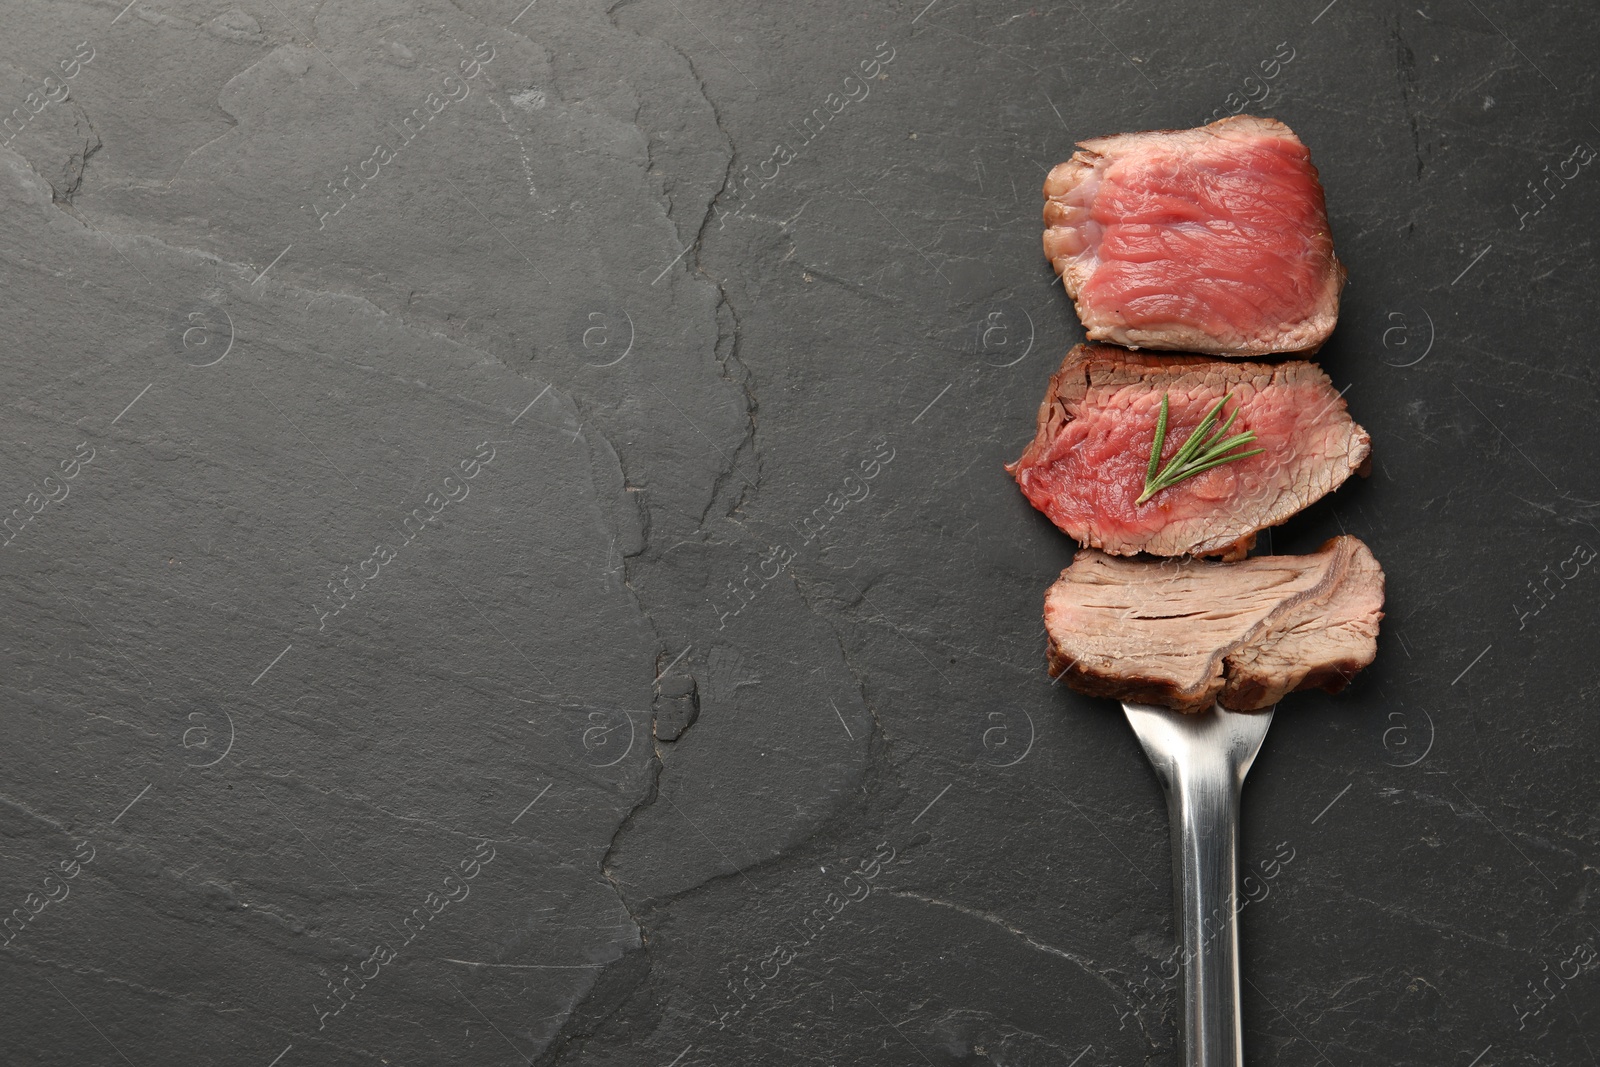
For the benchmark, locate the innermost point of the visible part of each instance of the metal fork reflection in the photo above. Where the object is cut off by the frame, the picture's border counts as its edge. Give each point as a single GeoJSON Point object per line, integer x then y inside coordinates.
{"type": "Point", "coordinates": [1201, 761]}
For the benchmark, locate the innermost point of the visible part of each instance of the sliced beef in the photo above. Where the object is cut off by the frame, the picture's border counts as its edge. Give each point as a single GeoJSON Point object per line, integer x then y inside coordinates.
{"type": "Point", "coordinates": [1185, 633]}
{"type": "Point", "coordinates": [1085, 467]}
{"type": "Point", "coordinates": [1209, 240]}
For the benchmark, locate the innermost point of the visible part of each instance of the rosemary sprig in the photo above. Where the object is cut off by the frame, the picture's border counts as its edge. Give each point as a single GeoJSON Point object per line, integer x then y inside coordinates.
{"type": "Point", "coordinates": [1205, 448]}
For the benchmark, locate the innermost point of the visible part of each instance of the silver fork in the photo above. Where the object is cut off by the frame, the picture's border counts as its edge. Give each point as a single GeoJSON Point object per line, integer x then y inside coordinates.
{"type": "Point", "coordinates": [1201, 761]}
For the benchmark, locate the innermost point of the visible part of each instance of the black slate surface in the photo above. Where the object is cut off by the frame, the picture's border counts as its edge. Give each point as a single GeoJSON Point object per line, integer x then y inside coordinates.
{"type": "Point", "coordinates": [511, 561]}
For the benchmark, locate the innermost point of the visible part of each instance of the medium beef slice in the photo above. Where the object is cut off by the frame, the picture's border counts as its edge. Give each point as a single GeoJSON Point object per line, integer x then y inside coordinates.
{"type": "Point", "coordinates": [1187, 633]}
{"type": "Point", "coordinates": [1085, 467]}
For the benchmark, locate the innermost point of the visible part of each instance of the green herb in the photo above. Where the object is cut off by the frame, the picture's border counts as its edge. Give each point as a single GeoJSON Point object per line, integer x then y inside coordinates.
{"type": "Point", "coordinates": [1205, 448]}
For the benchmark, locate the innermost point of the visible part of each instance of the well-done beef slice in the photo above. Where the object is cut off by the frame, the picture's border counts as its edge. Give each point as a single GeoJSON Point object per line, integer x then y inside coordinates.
{"type": "Point", "coordinates": [1186, 633]}
{"type": "Point", "coordinates": [1085, 467]}
{"type": "Point", "coordinates": [1209, 240]}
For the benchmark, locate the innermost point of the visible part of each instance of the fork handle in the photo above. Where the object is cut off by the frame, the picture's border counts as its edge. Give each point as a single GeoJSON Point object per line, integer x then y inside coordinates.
{"type": "Point", "coordinates": [1201, 761]}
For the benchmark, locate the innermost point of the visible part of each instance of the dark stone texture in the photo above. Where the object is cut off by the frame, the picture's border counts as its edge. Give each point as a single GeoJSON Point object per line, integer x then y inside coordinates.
{"type": "Point", "coordinates": [565, 606]}
{"type": "Point", "coordinates": [677, 707]}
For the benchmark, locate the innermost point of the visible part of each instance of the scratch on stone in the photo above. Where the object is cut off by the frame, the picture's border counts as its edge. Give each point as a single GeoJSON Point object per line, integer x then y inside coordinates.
{"type": "Point", "coordinates": [1474, 663]}
{"type": "Point", "coordinates": [75, 1008]}
{"type": "Point", "coordinates": [132, 402]}
{"type": "Point", "coordinates": [1022, 935]}
{"type": "Point", "coordinates": [531, 803]}
{"type": "Point", "coordinates": [846, 725]}
{"type": "Point", "coordinates": [932, 402]}
{"type": "Point", "coordinates": [1474, 263]}
{"type": "Point", "coordinates": [131, 803]}
{"type": "Point", "coordinates": [932, 802]}
{"type": "Point", "coordinates": [1332, 802]}
{"type": "Point", "coordinates": [273, 664]}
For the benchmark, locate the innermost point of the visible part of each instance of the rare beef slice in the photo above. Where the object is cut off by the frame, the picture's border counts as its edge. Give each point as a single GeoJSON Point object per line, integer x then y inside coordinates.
{"type": "Point", "coordinates": [1210, 240]}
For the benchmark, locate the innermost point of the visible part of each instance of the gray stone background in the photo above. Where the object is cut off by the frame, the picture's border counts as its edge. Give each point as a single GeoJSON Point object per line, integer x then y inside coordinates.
{"type": "Point", "coordinates": [508, 559]}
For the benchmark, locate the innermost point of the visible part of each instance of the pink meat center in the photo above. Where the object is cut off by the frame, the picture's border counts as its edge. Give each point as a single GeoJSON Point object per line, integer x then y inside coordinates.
{"type": "Point", "coordinates": [1229, 237]}
{"type": "Point", "coordinates": [1094, 470]}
